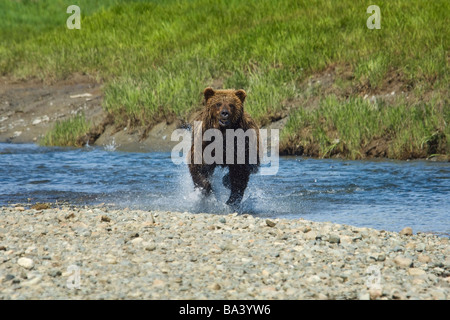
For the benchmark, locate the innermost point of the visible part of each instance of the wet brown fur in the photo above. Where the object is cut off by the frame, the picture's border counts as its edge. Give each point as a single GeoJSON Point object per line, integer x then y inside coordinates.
{"type": "Point", "coordinates": [231, 102]}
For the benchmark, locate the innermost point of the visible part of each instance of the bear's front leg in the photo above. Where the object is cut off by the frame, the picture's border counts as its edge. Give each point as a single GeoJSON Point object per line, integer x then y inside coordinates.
{"type": "Point", "coordinates": [239, 176]}
{"type": "Point", "coordinates": [201, 174]}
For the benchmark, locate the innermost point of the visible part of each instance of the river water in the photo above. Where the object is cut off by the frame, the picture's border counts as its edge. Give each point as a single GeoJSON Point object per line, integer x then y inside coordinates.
{"type": "Point", "coordinates": [381, 194]}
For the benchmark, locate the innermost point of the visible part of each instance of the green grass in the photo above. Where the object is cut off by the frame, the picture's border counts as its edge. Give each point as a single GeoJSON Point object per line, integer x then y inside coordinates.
{"type": "Point", "coordinates": [156, 57]}
{"type": "Point", "coordinates": [67, 132]}
{"type": "Point", "coordinates": [21, 20]}
{"type": "Point", "coordinates": [347, 128]}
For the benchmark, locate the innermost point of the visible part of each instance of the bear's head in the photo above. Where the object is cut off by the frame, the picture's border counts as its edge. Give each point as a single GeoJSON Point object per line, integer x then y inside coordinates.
{"type": "Point", "coordinates": [225, 108]}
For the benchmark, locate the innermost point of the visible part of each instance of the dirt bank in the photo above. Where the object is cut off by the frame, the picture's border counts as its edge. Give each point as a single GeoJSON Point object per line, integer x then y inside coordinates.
{"type": "Point", "coordinates": [28, 109]}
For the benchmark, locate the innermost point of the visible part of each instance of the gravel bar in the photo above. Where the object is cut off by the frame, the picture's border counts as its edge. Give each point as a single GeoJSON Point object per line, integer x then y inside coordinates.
{"type": "Point", "coordinates": [97, 252]}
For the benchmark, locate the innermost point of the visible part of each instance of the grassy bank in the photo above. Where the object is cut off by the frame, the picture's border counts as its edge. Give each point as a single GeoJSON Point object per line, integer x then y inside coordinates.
{"type": "Point", "coordinates": [68, 133]}
{"type": "Point", "coordinates": [156, 57]}
{"type": "Point", "coordinates": [358, 128]}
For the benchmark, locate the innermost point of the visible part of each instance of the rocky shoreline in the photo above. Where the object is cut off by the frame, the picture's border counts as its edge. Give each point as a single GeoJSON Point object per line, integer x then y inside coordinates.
{"type": "Point", "coordinates": [97, 252]}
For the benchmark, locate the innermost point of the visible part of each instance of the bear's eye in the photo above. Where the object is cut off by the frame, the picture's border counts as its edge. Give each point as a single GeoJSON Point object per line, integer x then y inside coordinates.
{"type": "Point", "coordinates": [232, 106]}
{"type": "Point", "coordinates": [218, 105]}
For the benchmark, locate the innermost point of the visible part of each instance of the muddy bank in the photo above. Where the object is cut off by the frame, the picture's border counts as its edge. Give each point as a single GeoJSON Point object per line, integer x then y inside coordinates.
{"type": "Point", "coordinates": [29, 109]}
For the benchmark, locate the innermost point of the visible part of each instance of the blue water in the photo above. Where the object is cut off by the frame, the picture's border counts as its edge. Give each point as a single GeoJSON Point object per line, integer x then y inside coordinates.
{"type": "Point", "coordinates": [384, 194]}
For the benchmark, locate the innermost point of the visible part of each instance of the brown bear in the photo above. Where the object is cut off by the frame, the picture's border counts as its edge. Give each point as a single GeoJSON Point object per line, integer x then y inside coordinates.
{"type": "Point", "coordinates": [224, 112]}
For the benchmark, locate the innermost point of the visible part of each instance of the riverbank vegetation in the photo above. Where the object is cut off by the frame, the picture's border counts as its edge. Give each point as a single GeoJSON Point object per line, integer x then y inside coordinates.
{"type": "Point", "coordinates": [67, 133]}
{"type": "Point", "coordinates": [341, 88]}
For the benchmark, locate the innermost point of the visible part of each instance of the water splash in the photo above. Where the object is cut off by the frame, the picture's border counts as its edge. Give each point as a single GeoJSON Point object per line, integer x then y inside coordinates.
{"type": "Point", "coordinates": [111, 146]}
{"type": "Point", "coordinates": [184, 197]}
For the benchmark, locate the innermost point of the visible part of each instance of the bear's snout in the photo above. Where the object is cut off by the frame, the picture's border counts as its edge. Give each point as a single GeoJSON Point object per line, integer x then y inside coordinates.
{"type": "Point", "coordinates": [224, 117]}
{"type": "Point", "coordinates": [224, 114]}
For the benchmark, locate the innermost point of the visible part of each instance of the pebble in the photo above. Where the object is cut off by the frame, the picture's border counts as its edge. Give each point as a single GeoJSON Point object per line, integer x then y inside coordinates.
{"type": "Point", "coordinates": [311, 235]}
{"type": "Point", "coordinates": [55, 273]}
{"type": "Point", "coordinates": [423, 258]}
{"type": "Point", "coordinates": [242, 257]}
{"type": "Point", "coordinates": [407, 231]}
{"type": "Point", "coordinates": [158, 283]}
{"type": "Point", "coordinates": [439, 294]}
{"type": "Point", "coordinates": [9, 277]}
{"type": "Point", "coordinates": [40, 206]}
{"type": "Point", "coordinates": [420, 247]}
{"type": "Point", "coordinates": [381, 257]}
{"type": "Point", "coordinates": [105, 218]}
{"type": "Point", "coordinates": [216, 286]}
{"type": "Point", "coordinates": [306, 229]}
{"type": "Point", "coordinates": [364, 296]}
{"type": "Point", "coordinates": [32, 282]}
{"type": "Point", "coordinates": [403, 262]}
{"type": "Point", "coordinates": [334, 239]}
{"type": "Point", "coordinates": [375, 293]}
{"type": "Point", "coordinates": [416, 272]}
{"type": "Point", "coordinates": [25, 263]}
{"type": "Point", "coordinates": [270, 223]}
{"type": "Point", "coordinates": [137, 241]}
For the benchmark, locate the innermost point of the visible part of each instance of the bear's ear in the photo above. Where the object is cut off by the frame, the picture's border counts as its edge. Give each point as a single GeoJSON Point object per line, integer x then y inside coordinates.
{"type": "Point", "coordinates": [241, 95]}
{"type": "Point", "coordinates": [208, 93]}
